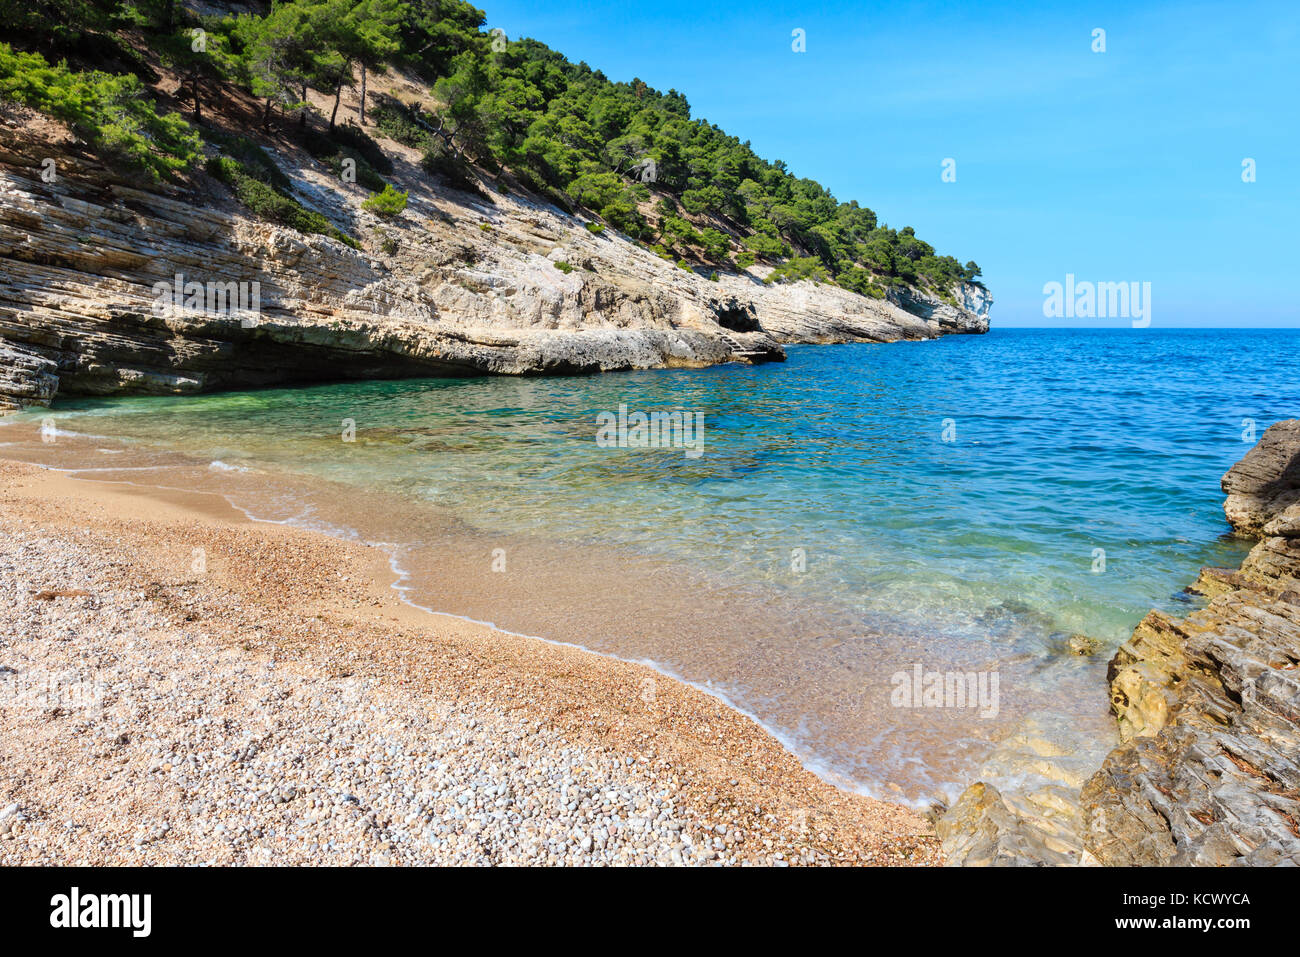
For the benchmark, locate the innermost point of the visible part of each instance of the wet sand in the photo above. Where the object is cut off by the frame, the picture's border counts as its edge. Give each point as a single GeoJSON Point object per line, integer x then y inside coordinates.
{"type": "Point", "coordinates": [817, 674]}
{"type": "Point", "coordinates": [620, 764]}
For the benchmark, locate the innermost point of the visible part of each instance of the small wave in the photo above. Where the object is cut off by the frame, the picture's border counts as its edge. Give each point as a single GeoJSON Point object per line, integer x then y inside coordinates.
{"type": "Point", "coordinates": [220, 466]}
{"type": "Point", "coordinates": [55, 432]}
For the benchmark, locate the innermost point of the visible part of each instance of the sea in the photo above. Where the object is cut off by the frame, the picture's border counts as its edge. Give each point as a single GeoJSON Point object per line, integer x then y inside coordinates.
{"type": "Point", "coordinates": [895, 557]}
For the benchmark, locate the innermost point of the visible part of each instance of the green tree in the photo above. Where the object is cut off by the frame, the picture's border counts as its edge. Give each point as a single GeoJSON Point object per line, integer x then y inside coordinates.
{"type": "Point", "coordinates": [201, 58]}
{"type": "Point", "coordinates": [434, 32]}
{"type": "Point", "coordinates": [54, 25]}
{"type": "Point", "coordinates": [460, 93]}
{"type": "Point", "coordinates": [114, 113]}
{"type": "Point", "coordinates": [364, 32]}
{"type": "Point", "coordinates": [717, 245]}
{"type": "Point", "coordinates": [285, 53]}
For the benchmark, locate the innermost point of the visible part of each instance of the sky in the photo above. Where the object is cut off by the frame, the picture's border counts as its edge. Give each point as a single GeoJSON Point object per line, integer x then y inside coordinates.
{"type": "Point", "coordinates": [1117, 166]}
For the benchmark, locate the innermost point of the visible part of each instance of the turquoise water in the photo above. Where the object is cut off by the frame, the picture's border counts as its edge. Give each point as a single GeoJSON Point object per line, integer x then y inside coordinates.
{"type": "Point", "coordinates": [826, 506]}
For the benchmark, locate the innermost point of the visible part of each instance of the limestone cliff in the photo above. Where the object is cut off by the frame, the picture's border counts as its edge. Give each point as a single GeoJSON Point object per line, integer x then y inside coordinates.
{"type": "Point", "coordinates": [456, 285]}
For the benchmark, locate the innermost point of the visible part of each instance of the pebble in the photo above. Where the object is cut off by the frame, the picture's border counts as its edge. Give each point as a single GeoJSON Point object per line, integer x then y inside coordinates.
{"type": "Point", "coordinates": [173, 743]}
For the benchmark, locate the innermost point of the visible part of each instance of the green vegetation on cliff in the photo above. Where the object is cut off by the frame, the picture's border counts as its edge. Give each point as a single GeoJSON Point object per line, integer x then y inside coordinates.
{"type": "Point", "coordinates": [630, 155]}
{"type": "Point", "coordinates": [258, 183]}
{"type": "Point", "coordinates": [110, 111]}
{"type": "Point", "coordinates": [388, 202]}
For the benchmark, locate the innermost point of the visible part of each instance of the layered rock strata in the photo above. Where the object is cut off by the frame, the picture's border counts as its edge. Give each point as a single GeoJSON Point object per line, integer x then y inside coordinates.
{"type": "Point", "coordinates": [455, 285]}
{"type": "Point", "coordinates": [1209, 705]}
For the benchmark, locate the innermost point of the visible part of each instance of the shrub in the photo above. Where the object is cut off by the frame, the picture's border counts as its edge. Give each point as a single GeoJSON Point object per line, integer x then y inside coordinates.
{"type": "Point", "coordinates": [250, 155]}
{"type": "Point", "coordinates": [395, 122]}
{"type": "Point", "coordinates": [355, 139]}
{"type": "Point", "coordinates": [332, 154]}
{"type": "Point", "coordinates": [269, 204]}
{"type": "Point", "coordinates": [596, 228]}
{"type": "Point", "coordinates": [366, 175]}
{"type": "Point", "coordinates": [398, 123]}
{"type": "Point", "coordinates": [716, 244]}
{"type": "Point", "coordinates": [701, 200]}
{"type": "Point", "coordinates": [564, 267]}
{"type": "Point", "coordinates": [764, 245]}
{"type": "Point", "coordinates": [610, 197]}
{"type": "Point", "coordinates": [451, 169]}
{"type": "Point", "coordinates": [387, 203]}
{"type": "Point", "coordinates": [114, 113]}
{"type": "Point", "coordinates": [674, 230]}
{"type": "Point", "coordinates": [792, 270]}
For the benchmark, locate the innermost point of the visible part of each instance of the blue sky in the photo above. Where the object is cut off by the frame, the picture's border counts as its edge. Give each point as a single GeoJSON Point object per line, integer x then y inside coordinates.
{"type": "Point", "coordinates": [1118, 166]}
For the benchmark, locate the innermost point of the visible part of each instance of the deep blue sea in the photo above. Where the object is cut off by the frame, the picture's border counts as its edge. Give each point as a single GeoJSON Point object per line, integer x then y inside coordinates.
{"type": "Point", "coordinates": [968, 503]}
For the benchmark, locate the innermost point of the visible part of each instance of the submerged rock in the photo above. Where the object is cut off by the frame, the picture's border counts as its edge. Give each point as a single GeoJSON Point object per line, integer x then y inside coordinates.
{"type": "Point", "coordinates": [1208, 710]}
{"type": "Point", "coordinates": [1036, 818]}
{"type": "Point", "coordinates": [1083, 645]}
{"type": "Point", "coordinates": [1209, 705]}
{"type": "Point", "coordinates": [985, 828]}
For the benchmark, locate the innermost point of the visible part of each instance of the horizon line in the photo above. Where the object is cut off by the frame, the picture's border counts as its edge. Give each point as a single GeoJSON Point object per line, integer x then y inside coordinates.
{"type": "Point", "coordinates": [1145, 328]}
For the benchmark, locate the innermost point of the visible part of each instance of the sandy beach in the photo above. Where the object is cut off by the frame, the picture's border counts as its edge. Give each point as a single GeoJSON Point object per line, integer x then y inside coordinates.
{"type": "Point", "coordinates": [180, 685]}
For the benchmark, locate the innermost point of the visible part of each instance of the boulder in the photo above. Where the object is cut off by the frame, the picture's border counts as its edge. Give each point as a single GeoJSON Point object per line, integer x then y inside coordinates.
{"type": "Point", "coordinates": [1267, 481]}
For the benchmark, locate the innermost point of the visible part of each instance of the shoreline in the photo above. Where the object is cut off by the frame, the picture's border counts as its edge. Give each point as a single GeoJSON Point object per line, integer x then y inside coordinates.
{"type": "Point", "coordinates": [1206, 705]}
{"type": "Point", "coordinates": [719, 771]}
{"type": "Point", "coordinates": [571, 579]}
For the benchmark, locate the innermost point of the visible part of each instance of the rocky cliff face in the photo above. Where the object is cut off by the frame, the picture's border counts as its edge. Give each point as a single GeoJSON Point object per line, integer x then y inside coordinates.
{"type": "Point", "coordinates": [456, 285]}
{"type": "Point", "coordinates": [1208, 708]}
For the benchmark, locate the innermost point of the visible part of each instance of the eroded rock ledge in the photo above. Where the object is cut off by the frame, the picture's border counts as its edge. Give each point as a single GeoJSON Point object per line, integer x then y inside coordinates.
{"type": "Point", "coordinates": [456, 285]}
{"type": "Point", "coordinates": [1208, 706]}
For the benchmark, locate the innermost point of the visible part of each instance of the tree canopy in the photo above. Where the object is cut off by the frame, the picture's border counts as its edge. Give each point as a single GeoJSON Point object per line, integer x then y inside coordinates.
{"type": "Point", "coordinates": [624, 152]}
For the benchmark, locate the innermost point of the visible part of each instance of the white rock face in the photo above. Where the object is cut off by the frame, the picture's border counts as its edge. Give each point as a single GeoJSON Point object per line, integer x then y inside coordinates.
{"type": "Point", "coordinates": [455, 285]}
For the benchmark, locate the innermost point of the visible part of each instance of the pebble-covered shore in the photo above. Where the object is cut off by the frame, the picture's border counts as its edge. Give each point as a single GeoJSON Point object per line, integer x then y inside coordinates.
{"type": "Point", "coordinates": [178, 686]}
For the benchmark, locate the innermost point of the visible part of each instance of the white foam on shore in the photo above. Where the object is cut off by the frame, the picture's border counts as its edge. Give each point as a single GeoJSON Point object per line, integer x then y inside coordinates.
{"type": "Point", "coordinates": [70, 434]}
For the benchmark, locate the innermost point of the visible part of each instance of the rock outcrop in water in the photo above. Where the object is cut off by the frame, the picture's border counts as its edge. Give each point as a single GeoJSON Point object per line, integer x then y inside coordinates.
{"type": "Point", "coordinates": [1266, 481]}
{"type": "Point", "coordinates": [1208, 706]}
{"type": "Point", "coordinates": [1040, 821]}
{"type": "Point", "coordinates": [456, 285]}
